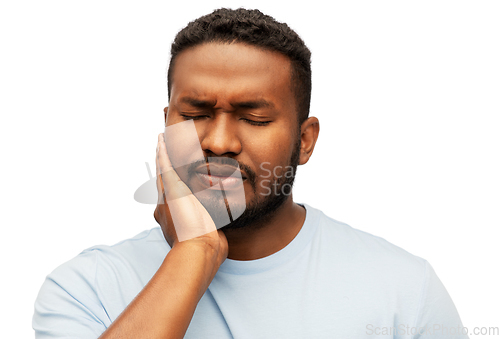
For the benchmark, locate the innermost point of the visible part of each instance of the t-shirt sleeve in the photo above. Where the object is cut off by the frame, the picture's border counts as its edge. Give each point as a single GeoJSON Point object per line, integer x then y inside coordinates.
{"type": "Point", "coordinates": [437, 316]}
{"type": "Point", "coordinates": [67, 305]}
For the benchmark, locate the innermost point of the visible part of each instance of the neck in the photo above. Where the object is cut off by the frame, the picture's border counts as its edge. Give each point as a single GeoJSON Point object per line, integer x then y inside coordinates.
{"type": "Point", "coordinates": [274, 234]}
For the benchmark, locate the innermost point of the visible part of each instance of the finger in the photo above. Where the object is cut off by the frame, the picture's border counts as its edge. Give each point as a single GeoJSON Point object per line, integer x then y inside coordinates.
{"type": "Point", "coordinates": [159, 182]}
{"type": "Point", "coordinates": [189, 217]}
{"type": "Point", "coordinates": [173, 186]}
{"type": "Point", "coordinates": [165, 164]}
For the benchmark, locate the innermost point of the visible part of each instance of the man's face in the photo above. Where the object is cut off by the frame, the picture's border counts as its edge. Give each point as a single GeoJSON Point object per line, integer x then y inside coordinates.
{"type": "Point", "coordinates": [244, 111]}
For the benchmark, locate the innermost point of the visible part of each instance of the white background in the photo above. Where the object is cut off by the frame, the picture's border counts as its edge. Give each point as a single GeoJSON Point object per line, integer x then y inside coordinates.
{"type": "Point", "coordinates": [407, 94]}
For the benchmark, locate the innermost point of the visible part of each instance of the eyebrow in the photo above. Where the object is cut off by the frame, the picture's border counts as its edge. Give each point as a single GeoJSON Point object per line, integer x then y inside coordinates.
{"type": "Point", "coordinates": [198, 103]}
{"type": "Point", "coordinates": [250, 104]}
{"type": "Point", "coordinates": [254, 104]}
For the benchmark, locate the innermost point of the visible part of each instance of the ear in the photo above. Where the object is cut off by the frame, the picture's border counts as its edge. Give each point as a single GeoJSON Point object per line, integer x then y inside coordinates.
{"type": "Point", "coordinates": [309, 132]}
{"type": "Point", "coordinates": [165, 111]}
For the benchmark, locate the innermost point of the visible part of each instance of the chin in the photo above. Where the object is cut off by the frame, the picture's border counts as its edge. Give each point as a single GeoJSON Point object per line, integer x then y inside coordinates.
{"type": "Point", "coordinates": [256, 215]}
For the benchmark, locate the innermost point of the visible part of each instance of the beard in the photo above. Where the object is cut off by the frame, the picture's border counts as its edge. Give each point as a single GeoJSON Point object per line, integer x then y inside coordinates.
{"type": "Point", "coordinates": [260, 209]}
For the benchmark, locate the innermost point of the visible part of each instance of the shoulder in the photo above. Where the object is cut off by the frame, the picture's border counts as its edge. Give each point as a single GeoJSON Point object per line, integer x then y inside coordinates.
{"type": "Point", "coordinates": [138, 251]}
{"type": "Point", "coordinates": [383, 273]}
{"type": "Point", "coordinates": [362, 256]}
{"type": "Point", "coordinates": [145, 250]}
{"type": "Point", "coordinates": [360, 245]}
{"type": "Point", "coordinates": [101, 280]}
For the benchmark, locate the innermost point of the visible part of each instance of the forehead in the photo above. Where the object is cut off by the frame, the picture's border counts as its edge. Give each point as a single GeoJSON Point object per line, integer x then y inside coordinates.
{"type": "Point", "coordinates": [223, 71]}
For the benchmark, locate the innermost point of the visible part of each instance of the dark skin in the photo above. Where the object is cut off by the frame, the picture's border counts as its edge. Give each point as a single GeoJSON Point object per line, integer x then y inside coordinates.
{"type": "Point", "coordinates": [243, 108]}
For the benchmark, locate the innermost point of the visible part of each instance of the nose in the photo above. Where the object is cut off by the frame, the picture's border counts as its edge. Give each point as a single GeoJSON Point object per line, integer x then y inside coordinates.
{"type": "Point", "coordinates": [220, 136]}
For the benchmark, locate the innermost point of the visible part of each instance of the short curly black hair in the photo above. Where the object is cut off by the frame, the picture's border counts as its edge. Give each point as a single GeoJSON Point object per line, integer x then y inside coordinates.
{"type": "Point", "coordinates": [254, 28]}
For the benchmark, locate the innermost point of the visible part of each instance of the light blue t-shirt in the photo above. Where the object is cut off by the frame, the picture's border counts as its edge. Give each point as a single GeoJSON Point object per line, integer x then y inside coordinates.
{"type": "Point", "coordinates": [331, 281]}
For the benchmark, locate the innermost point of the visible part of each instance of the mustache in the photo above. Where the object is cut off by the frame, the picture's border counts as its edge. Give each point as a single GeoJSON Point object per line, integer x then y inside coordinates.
{"type": "Point", "coordinates": [249, 173]}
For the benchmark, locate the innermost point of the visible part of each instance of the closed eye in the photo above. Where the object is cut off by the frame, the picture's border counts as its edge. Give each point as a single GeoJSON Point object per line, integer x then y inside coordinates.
{"type": "Point", "coordinates": [193, 117]}
{"type": "Point", "coordinates": [256, 123]}
{"type": "Point", "coordinates": [251, 122]}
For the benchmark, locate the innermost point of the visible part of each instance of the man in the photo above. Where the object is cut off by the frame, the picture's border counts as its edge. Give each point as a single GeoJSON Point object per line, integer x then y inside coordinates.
{"type": "Point", "coordinates": [242, 81]}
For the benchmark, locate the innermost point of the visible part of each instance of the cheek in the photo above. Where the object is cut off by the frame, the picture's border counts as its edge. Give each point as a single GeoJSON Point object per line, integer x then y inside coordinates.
{"type": "Point", "coordinates": [270, 155]}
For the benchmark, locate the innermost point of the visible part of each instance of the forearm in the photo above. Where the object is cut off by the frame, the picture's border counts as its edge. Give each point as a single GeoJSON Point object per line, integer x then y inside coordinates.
{"type": "Point", "coordinates": [164, 308]}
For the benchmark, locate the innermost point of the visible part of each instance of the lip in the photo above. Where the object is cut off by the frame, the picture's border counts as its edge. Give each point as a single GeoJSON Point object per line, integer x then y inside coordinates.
{"type": "Point", "coordinates": [214, 182]}
{"type": "Point", "coordinates": [226, 175]}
